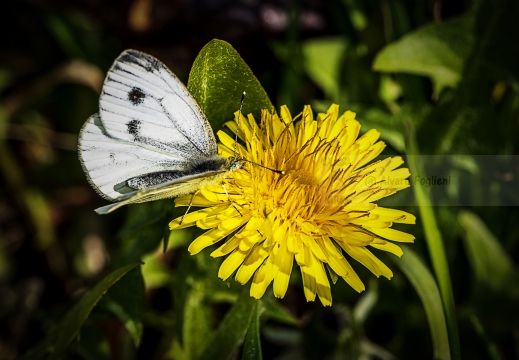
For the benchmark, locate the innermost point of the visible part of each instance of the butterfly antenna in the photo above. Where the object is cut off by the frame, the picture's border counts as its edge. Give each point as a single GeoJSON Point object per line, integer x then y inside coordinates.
{"type": "Point", "coordinates": [280, 172]}
{"type": "Point", "coordinates": [238, 123]}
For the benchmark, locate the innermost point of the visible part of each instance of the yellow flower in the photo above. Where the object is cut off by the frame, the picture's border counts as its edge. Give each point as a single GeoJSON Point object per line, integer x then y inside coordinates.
{"type": "Point", "coordinates": [318, 211]}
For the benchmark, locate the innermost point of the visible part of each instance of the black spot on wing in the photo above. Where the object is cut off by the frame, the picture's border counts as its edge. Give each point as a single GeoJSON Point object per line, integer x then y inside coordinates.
{"type": "Point", "coordinates": [136, 96]}
{"type": "Point", "coordinates": [134, 128]}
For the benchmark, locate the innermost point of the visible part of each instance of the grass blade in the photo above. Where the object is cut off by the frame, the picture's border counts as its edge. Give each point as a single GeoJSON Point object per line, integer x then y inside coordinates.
{"type": "Point", "coordinates": [434, 240]}
{"type": "Point", "coordinates": [425, 285]}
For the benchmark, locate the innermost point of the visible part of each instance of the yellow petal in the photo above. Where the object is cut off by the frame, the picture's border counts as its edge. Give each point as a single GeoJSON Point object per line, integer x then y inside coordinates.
{"type": "Point", "coordinates": [208, 222]}
{"type": "Point", "coordinates": [366, 258]}
{"type": "Point", "coordinates": [190, 219]}
{"type": "Point", "coordinates": [394, 162]}
{"type": "Point", "coordinates": [248, 242]}
{"type": "Point", "coordinates": [198, 200]}
{"type": "Point", "coordinates": [343, 268]}
{"type": "Point", "coordinates": [215, 197]}
{"type": "Point", "coordinates": [394, 215]}
{"type": "Point", "coordinates": [208, 238]}
{"type": "Point", "coordinates": [233, 223]}
{"type": "Point", "coordinates": [317, 247]}
{"type": "Point", "coordinates": [225, 151]}
{"type": "Point", "coordinates": [251, 264]}
{"type": "Point", "coordinates": [231, 263]}
{"type": "Point", "coordinates": [229, 142]}
{"type": "Point", "coordinates": [309, 283]}
{"type": "Point", "coordinates": [330, 247]}
{"type": "Point", "coordinates": [392, 234]}
{"type": "Point", "coordinates": [373, 152]}
{"type": "Point", "coordinates": [322, 284]}
{"type": "Point", "coordinates": [389, 247]}
{"type": "Point", "coordinates": [262, 279]}
{"type": "Point", "coordinates": [229, 246]}
{"type": "Point", "coordinates": [349, 138]}
{"type": "Point", "coordinates": [283, 262]}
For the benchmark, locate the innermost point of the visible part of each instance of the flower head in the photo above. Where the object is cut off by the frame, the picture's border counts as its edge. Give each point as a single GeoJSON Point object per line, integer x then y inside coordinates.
{"type": "Point", "coordinates": [318, 213]}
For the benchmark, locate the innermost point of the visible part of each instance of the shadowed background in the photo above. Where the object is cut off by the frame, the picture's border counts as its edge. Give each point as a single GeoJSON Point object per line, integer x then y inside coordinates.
{"type": "Point", "coordinates": [458, 86]}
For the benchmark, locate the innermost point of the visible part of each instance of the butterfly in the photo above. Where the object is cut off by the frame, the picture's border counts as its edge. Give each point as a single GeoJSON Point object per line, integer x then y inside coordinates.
{"type": "Point", "coordinates": [150, 139]}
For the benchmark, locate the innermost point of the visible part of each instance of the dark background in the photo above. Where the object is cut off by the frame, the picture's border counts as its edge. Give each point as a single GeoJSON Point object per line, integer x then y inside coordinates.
{"type": "Point", "coordinates": [53, 56]}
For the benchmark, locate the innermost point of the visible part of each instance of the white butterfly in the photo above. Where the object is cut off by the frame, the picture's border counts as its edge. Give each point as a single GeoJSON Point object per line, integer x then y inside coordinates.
{"type": "Point", "coordinates": [150, 139]}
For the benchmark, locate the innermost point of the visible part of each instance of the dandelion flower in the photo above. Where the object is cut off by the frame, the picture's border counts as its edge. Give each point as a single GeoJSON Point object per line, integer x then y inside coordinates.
{"type": "Point", "coordinates": [320, 213]}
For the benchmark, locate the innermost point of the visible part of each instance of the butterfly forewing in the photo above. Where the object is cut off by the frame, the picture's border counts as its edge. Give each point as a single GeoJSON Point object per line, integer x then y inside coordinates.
{"type": "Point", "coordinates": [143, 102]}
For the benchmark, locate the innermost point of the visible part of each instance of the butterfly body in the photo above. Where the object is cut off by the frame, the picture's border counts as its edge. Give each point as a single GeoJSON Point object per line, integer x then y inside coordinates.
{"type": "Point", "coordinates": [150, 139]}
{"type": "Point", "coordinates": [196, 166]}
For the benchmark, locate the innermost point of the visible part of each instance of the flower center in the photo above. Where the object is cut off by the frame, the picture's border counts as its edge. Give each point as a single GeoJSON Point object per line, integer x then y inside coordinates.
{"type": "Point", "coordinates": [304, 177]}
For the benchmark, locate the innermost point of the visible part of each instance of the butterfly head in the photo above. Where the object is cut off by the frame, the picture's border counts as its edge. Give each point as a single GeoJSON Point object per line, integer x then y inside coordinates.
{"type": "Point", "coordinates": [234, 163]}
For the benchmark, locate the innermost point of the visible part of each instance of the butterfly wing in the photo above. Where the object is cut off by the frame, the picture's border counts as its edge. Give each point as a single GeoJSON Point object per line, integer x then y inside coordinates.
{"type": "Point", "coordinates": [108, 162]}
{"type": "Point", "coordinates": [148, 122]}
{"type": "Point", "coordinates": [142, 101]}
{"type": "Point", "coordinates": [169, 189]}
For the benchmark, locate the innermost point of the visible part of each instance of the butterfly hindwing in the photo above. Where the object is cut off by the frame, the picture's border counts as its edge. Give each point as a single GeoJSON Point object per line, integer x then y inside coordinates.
{"type": "Point", "coordinates": [173, 188]}
{"type": "Point", "coordinates": [110, 162]}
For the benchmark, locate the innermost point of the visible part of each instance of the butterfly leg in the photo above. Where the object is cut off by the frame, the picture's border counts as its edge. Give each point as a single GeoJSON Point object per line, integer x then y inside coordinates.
{"type": "Point", "coordinates": [228, 197]}
{"type": "Point", "coordinates": [189, 207]}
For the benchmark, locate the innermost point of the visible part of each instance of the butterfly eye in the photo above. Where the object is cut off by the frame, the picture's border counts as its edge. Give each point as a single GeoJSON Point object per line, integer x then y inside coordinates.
{"type": "Point", "coordinates": [236, 164]}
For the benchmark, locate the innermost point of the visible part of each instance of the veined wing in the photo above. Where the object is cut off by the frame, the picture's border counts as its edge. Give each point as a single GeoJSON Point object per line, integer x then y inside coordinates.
{"type": "Point", "coordinates": [145, 103]}
{"type": "Point", "coordinates": [170, 189]}
{"type": "Point", "coordinates": [109, 162]}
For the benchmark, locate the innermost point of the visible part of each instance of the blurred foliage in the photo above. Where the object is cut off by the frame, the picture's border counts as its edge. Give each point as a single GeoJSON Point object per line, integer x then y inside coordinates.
{"type": "Point", "coordinates": [441, 78]}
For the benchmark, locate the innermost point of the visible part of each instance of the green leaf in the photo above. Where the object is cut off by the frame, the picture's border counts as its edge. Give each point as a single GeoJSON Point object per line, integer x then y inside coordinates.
{"type": "Point", "coordinates": [390, 126]}
{"type": "Point", "coordinates": [196, 321]}
{"type": "Point", "coordinates": [489, 261]}
{"type": "Point", "coordinates": [93, 345]}
{"type": "Point", "coordinates": [274, 310]}
{"type": "Point", "coordinates": [433, 239]}
{"type": "Point", "coordinates": [126, 300]}
{"type": "Point", "coordinates": [195, 285]}
{"type": "Point", "coordinates": [322, 60]}
{"type": "Point", "coordinates": [252, 345]}
{"type": "Point", "coordinates": [438, 51]}
{"type": "Point", "coordinates": [493, 60]}
{"type": "Point", "coordinates": [232, 330]}
{"type": "Point", "coordinates": [217, 80]}
{"type": "Point", "coordinates": [56, 343]}
{"type": "Point", "coordinates": [63, 35]}
{"type": "Point", "coordinates": [155, 272]}
{"type": "Point", "coordinates": [144, 229]}
{"type": "Point", "coordinates": [496, 53]}
{"type": "Point", "coordinates": [366, 304]}
{"type": "Point", "coordinates": [492, 349]}
{"type": "Point", "coordinates": [423, 282]}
